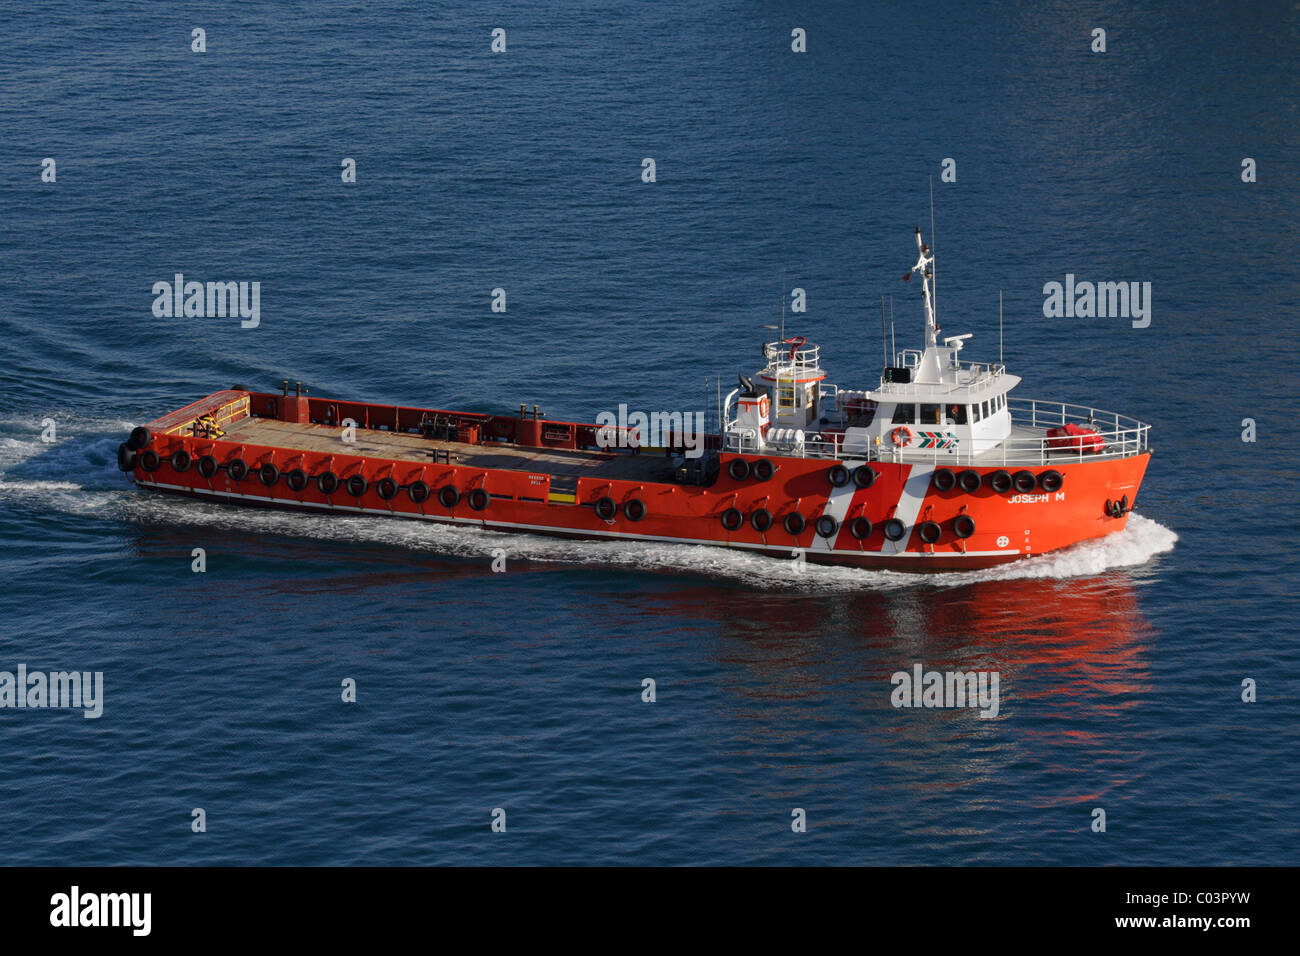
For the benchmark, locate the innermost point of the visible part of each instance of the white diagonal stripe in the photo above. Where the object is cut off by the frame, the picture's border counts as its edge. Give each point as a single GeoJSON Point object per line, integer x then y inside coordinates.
{"type": "Point", "coordinates": [837, 506]}
{"type": "Point", "coordinates": [909, 505]}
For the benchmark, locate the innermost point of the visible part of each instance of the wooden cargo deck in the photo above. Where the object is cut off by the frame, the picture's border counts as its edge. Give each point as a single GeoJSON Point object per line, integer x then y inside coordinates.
{"type": "Point", "coordinates": [404, 446]}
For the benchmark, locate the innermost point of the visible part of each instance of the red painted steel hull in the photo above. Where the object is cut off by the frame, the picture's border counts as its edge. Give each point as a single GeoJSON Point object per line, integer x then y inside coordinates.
{"type": "Point", "coordinates": [1008, 526]}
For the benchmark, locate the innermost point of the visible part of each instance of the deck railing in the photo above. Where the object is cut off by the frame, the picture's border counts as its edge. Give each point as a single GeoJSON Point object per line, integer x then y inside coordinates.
{"type": "Point", "coordinates": [1121, 437]}
{"type": "Point", "coordinates": [793, 356]}
{"type": "Point", "coordinates": [969, 374]}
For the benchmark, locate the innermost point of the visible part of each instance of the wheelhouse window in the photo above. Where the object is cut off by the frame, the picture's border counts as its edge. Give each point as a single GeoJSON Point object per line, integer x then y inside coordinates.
{"type": "Point", "coordinates": [975, 413]}
{"type": "Point", "coordinates": [957, 414]}
{"type": "Point", "coordinates": [905, 415]}
{"type": "Point", "coordinates": [930, 415]}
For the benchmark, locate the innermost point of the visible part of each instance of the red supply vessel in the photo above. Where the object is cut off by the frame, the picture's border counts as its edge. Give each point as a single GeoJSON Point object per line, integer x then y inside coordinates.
{"type": "Point", "coordinates": [936, 468]}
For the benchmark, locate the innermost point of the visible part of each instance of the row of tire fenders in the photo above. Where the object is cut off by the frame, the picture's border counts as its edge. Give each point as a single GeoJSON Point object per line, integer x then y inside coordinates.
{"type": "Point", "coordinates": [943, 479]}
{"type": "Point", "coordinates": [827, 525]}
{"type": "Point", "coordinates": [135, 449]}
{"type": "Point", "coordinates": [863, 476]}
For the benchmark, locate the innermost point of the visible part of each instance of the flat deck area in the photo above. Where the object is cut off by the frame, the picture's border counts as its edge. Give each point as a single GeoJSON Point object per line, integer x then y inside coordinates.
{"type": "Point", "coordinates": [404, 446]}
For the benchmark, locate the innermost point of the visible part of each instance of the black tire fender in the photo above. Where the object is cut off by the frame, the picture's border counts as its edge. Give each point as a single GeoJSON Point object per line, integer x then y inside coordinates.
{"type": "Point", "coordinates": [864, 476]}
{"type": "Point", "coordinates": [140, 437]}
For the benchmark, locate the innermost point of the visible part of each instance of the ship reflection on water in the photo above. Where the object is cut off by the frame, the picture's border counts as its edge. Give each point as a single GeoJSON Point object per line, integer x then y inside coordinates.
{"type": "Point", "coordinates": [768, 698]}
{"type": "Point", "coordinates": [808, 684]}
{"type": "Point", "coordinates": [1059, 643]}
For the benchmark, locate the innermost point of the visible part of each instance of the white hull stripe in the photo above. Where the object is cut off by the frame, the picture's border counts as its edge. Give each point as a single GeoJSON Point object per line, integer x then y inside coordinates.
{"type": "Point", "coordinates": [554, 529]}
{"type": "Point", "coordinates": [837, 506]}
{"type": "Point", "coordinates": [909, 506]}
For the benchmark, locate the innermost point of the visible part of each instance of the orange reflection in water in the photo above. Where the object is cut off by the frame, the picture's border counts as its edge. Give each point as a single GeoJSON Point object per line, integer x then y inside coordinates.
{"type": "Point", "coordinates": [806, 684]}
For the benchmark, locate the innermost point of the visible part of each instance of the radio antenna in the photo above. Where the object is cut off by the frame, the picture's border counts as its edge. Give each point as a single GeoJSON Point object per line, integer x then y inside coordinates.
{"type": "Point", "coordinates": [933, 266]}
{"type": "Point", "coordinates": [893, 344]}
{"type": "Point", "coordinates": [884, 342]}
{"type": "Point", "coordinates": [782, 305]}
{"type": "Point", "coordinates": [1001, 360]}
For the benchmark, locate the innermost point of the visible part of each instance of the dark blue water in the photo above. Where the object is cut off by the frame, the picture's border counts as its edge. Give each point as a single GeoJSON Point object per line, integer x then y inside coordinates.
{"type": "Point", "coordinates": [1121, 663]}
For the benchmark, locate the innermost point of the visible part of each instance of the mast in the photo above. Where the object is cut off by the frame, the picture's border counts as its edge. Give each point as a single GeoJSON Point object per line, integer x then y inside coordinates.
{"type": "Point", "coordinates": [782, 305]}
{"type": "Point", "coordinates": [893, 345]}
{"type": "Point", "coordinates": [925, 266]}
{"type": "Point", "coordinates": [884, 343]}
{"type": "Point", "coordinates": [934, 279]}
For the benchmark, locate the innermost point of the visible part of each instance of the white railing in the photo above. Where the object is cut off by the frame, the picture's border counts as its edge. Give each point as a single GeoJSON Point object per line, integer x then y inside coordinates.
{"type": "Point", "coordinates": [744, 442]}
{"type": "Point", "coordinates": [1121, 437]}
{"type": "Point", "coordinates": [805, 357]}
{"type": "Point", "coordinates": [817, 445]}
{"type": "Point", "coordinates": [976, 372]}
{"type": "Point", "coordinates": [968, 373]}
{"type": "Point", "coordinates": [829, 400]}
{"type": "Point", "coordinates": [908, 358]}
{"type": "Point", "coordinates": [1124, 437]}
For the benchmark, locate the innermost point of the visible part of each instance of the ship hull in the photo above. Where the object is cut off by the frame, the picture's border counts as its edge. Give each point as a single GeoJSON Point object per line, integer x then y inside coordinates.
{"type": "Point", "coordinates": [538, 477]}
